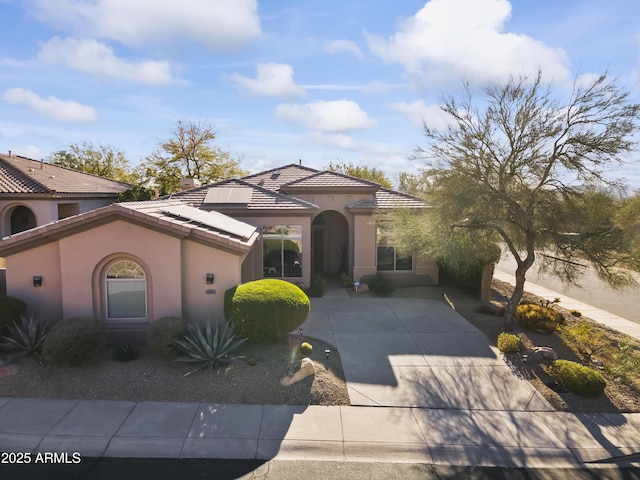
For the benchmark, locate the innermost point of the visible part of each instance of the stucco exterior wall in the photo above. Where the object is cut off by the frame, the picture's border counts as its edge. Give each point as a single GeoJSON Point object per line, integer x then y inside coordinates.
{"type": "Point", "coordinates": [84, 256]}
{"type": "Point", "coordinates": [365, 252]}
{"type": "Point", "coordinates": [201, 301]}
{"type": "Point", "coordinates": [44, 261]}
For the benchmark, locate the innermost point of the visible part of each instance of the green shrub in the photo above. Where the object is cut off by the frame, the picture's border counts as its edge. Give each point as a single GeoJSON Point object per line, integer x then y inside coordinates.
{"type": "Point", "coordinates": [577, 378]}
{"type": "Point", "coordinates": [10, 310]}
{"type": "Point", "coordinates": [485, 309]}
{"type": "Point", "coordinates": [538, 318]}
{"type": "Point", "coordinates": [317, 285]}
{"type": "Point", "coordinates": [306, 349]}
{"type": "Point", "coordinates": [208, 347]}
{"type": "Point", "coordinates": [74, 341]}
{"type": "Point", "coordinates": [162, 335]}
{"type": "Point", "coordinates": [508, 343]}
{"type": "Point", "coordinates": [125, 352]}
{"type": "Point", "coordinates": [265, 309]}
{"type": "Point", "coordinates": [26, 336]}
{"type": "Point", "coordinates": [347, 280]}
{"type": "Point", "coordinates": [380, 286]}
{"type": "Point", "coordinates": [587, 339]}
{"type": "Point", "coordinates": [626, 364]}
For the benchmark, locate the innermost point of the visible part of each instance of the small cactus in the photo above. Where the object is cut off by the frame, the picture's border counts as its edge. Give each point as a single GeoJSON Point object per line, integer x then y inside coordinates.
{"type": "Point", "coordinates": [125, 352]}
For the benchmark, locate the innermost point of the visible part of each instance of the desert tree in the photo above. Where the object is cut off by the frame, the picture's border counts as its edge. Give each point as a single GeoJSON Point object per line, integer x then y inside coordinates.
{"type": "Point", "coordinates": [364, 172]}
{"type": "Point", "coordinates": [188, 152]}
{"type": "Point", "coordinates": [102, 160]}
{"type": "Point", "coordinates": [528, 168]}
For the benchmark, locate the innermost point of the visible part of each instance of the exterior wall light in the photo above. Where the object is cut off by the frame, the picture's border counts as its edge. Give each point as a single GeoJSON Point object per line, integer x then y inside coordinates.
{"type": "Point", "coordinates": [37, 281]}
{"type": "Point", "coordinates": [210, 278]}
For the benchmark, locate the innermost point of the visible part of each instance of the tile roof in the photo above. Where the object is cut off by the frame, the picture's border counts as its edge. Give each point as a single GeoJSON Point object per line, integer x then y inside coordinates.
{"type": "Point", "coordinates": [274, 178]}
{"type": "Point", "coordinates": [329, 180]}
{"type": "Point", "coordinates": [24, 175]}
{"type": "Point", "coordinates": [387, 199]}
{"type": "Point", "coordinates": [261, 198]}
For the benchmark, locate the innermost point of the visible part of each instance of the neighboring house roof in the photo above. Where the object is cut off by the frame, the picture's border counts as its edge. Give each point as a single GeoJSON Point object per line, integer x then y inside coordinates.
{"type": "Point", "coordinates": [168, 216]}
{"type": "Point", "coordinates": [260, 198]}
{"type": "Point", "coordinates": [21, 175]}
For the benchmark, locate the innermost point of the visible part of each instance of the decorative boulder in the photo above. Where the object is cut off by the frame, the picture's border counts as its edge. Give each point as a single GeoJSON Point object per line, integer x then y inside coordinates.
{"type": "Point", "coordinates": [544, 353]}
{"type": "Point", "coordinates": [306, 369]}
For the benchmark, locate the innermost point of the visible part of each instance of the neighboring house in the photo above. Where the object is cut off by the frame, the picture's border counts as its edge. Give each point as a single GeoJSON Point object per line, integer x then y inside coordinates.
{"type": "Point", "coordinates": [132, 263]}
{"type": "Point", "coordinates": [34, 193]}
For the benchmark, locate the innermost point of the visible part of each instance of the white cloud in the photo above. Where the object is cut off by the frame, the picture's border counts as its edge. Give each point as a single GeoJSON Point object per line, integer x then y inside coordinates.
{"type": "Point", "coordinates": [30, 151]}
{"type": "Point", "coordinates": [454, 38]}
{"type": "Point", "coordinates": [52, 107]}
{"type": "Point", "coordinates": [219, 24]}
{"type": "Point", "coordinates": [325, 116]}
{"type": "Point", "coordinates": [338, 140]}
{"type": "Point", "coordinates": [418, 112]}
{"type": "Point", "coordinates": [338, 46]}
{"type": "Point", "coordinates": [274, 80]}
{"type": "Point", "coordinates": [91, 56]}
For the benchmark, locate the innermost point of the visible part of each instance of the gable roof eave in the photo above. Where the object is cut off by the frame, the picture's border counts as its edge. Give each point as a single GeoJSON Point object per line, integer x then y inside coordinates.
{"type": "Point", "coordinates": [55, 231]}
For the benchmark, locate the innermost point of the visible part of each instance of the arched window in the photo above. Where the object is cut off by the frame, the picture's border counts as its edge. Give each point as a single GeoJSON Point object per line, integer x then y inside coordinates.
{"type": "Point", "coordinates": [126, 290]}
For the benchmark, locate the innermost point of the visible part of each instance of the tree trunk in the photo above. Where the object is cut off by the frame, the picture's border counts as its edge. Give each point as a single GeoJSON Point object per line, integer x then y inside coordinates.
{"type": "Point", "coordinates": [514, 301]}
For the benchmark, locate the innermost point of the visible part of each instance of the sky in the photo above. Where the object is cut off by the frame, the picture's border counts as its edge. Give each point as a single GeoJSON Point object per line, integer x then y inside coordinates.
{"type": "Point", "coordinates": [317, 80]}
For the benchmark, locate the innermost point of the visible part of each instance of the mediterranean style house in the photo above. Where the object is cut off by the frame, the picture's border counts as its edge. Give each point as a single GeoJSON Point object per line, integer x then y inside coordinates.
{"type": "Point", "coordinates": [132, 263]}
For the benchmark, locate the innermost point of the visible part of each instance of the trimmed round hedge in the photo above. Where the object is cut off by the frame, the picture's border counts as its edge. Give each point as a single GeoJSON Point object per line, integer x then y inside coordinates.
{"type": "Point", "coordinates": [74, 341]}
{"type": "Point", "coordinates": [265, 310]}
{"type": "Point", "coordinates": [162, 335]}
{"type": "Point", "coordinates": [538, 318]}
{"type": "Point", "coordinates": [577, 378]}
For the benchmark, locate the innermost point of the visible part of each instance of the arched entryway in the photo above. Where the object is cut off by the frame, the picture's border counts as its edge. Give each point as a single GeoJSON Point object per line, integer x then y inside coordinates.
{"type": "Point", "coordinates": [330, 243]}
{"type": "Point", "coordinates": [22, 218]}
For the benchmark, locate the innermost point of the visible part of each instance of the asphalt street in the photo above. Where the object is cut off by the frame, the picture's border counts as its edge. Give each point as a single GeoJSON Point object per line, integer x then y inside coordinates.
{"type": "Point", "coordinates": [593, 291]}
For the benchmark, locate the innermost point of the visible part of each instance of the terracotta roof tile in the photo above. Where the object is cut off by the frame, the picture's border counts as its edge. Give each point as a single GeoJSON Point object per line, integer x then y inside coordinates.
{"type": "Point", "coordinates": [23, 175]}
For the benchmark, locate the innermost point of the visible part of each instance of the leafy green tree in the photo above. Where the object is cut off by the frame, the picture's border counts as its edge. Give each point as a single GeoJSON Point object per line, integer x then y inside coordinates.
{"type": "Point", "coordinates": [512, 169]}
{"type": "Point", "coordinates": [371, 174]}
{"type": "Point", "coordinates": [413, 184]}
{"type": "Point", "coordinates": [102, 160]}
{"type": "Point", "coordinates": [188, 153]}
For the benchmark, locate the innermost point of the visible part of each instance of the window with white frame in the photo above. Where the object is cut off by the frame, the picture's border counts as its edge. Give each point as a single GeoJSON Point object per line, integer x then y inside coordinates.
{"type": "Point", "coordinates": [282, 251]}
{"type": "Point", "coordinates": [126, 288]}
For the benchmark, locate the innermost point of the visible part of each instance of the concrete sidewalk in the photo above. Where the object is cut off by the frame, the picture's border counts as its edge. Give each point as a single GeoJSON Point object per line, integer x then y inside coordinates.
{"type": "Point", "coordinates": [343, 434]}
{"type": "Point", "coordinates": [609, 319]}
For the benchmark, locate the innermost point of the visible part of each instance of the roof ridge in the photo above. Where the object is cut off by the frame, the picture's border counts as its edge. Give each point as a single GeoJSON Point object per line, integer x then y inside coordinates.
{"type": "Point", "coordinates": [304, 167]}
{"type": "Point", "coordinates": [331, 172]}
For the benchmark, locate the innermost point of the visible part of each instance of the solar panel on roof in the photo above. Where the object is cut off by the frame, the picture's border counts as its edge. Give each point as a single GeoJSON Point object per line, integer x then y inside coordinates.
{"type": "Point", "coordinates": [236, 195]}
{"type": "Point", "coordinates": [212, 219]}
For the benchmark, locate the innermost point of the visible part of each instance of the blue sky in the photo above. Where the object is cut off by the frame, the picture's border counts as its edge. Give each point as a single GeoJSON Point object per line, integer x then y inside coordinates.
{"type": "Point", "coordinates": [317, 80]}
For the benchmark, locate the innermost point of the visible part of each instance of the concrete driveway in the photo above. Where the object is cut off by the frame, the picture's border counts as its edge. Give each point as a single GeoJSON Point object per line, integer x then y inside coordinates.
{"type": "Point", "coordinates": [406, 352]}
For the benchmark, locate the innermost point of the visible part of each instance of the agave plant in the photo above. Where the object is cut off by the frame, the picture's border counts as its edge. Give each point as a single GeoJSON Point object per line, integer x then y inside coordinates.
{"type": "Point", "coordinates": [26, 337]}
{"type": "Point", "coordinates": [212, 348]}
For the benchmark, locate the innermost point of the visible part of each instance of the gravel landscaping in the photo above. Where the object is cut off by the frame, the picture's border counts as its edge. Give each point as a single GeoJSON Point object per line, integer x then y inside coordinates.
{"type": "Point", "coordinates": [153, 378]}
